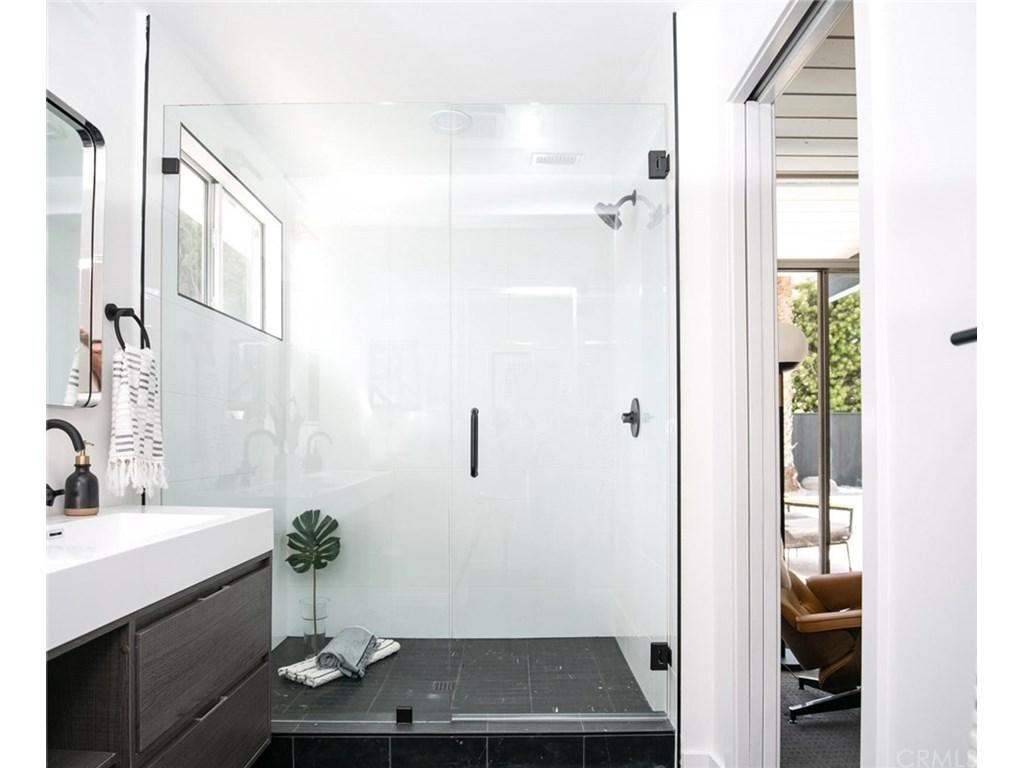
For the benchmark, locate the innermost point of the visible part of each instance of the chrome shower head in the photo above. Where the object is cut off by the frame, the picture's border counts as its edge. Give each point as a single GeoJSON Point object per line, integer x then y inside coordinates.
{"type": "Point", "coordinates": [609, 212]}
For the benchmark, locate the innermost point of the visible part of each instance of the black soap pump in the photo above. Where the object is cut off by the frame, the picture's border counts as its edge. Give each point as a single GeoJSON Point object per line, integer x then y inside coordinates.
{"type": "Point", "coordinates": [81, 489]}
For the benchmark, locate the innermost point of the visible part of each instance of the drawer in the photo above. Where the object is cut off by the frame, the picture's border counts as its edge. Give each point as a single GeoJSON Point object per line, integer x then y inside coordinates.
{"type": "Point", "coordinates": [230, 734]}
{"type": "Point", "coordinates": [186, 660]}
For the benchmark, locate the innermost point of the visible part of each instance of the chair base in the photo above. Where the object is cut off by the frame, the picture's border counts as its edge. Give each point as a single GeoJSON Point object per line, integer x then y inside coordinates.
{"type": "Point", "coordinates": [835, 702]}
{"type": "Point", "coordinates": [803, 681]}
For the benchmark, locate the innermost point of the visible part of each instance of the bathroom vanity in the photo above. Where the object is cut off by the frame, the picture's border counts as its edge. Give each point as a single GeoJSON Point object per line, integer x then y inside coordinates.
{"type": "Point", "coordinates": [158, 635]}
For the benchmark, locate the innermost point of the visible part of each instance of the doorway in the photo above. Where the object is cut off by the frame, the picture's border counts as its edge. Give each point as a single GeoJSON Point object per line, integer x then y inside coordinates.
{"type": "Point", "coordinates": [803, 377]}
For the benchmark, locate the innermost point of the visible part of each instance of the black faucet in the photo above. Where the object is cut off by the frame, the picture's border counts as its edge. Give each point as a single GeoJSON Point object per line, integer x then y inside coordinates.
{"type": "Point", "coordinates": [313, 462]}
{"type": "Point", "coordinates": [247, 468]}
{"type": "Point", "coordinates": [81, 489]}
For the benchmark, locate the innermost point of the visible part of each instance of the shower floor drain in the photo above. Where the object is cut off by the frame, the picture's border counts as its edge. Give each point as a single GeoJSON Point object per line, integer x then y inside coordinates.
{"type": "Point", "coordinates": [444, 686]}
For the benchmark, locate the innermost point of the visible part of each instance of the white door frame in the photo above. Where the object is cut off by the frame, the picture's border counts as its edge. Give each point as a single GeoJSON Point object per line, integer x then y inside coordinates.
{"type": "Point", "coordinates": [800, 29]}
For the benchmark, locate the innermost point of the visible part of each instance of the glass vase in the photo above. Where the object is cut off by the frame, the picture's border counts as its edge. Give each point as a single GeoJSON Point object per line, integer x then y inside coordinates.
{"type": "Point", "coordinates": [314, 630]}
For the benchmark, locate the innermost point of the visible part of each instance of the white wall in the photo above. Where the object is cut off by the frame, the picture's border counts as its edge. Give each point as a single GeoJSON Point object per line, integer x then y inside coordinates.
{"type": "Point", "coordinates": [916, 104]}
{"type": "Point", "coordinates": [716, 43]}
{"type": "Point", "coordinates": [94, 64]}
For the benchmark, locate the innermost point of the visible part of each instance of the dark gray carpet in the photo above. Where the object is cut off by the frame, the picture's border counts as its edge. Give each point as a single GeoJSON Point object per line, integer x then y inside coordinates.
{"type": "Point", "coordinates": [828, 740]}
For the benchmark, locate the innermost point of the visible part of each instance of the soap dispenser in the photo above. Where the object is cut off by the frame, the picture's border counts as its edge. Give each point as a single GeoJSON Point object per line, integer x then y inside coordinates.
{"type": "Point", "coordinates": [81, 489]}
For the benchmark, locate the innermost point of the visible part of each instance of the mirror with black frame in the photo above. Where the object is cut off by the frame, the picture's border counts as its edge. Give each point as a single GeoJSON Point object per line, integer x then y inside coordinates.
{"type": "Point", "coordinates": [74, 227]}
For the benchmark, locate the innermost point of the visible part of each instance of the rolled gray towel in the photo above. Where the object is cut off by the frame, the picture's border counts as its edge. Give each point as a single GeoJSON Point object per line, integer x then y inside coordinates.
{"type": "Point", "coordinates": [349, 651]}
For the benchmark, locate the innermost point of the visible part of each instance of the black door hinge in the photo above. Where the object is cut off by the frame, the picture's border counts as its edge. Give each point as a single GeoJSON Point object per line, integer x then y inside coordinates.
{"type": "Point", "coordinates": [658, 164]}
{"type": "Point", "coordinates": [170, 166]}
{"type": "Point", "coordinates": [661, 656]}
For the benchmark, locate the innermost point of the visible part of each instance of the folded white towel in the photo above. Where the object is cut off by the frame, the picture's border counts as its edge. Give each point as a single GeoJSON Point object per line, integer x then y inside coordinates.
{"type": "Point", "coordinates": [309, 673]}
{"type": "Point", "coordinates": [136, 435]}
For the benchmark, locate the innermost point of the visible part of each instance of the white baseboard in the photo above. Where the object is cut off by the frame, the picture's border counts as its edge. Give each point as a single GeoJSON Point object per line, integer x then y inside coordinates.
{"type": "Point", "coordinates": [699, 760]}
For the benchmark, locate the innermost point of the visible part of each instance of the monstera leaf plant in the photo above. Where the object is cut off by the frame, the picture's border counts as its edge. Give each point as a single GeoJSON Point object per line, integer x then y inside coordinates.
{"type": "Point", "coordinates": [314, 545]}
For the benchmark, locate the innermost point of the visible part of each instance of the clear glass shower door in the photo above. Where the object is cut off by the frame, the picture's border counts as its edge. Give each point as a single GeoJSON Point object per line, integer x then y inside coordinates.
{"type": "Point", "coordinates": [512, 259]}
{"type": "Point", "coordinates": [560, 517]}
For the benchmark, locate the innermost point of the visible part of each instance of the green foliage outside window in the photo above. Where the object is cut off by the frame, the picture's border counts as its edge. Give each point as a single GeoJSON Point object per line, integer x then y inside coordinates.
{"type": "Point", "coordinates": [190, 257]}
{"type": "Point", "coordinates": [844, 351]}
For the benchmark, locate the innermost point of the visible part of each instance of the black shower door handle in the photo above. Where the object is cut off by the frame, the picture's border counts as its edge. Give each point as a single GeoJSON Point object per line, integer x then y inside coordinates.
{"type": "Point", "coordinates": [474, 438]}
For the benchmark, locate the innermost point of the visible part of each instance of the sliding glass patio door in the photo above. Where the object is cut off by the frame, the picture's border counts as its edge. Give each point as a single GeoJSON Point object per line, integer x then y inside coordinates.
{"type": "Point", "coordinates": [821, 420]}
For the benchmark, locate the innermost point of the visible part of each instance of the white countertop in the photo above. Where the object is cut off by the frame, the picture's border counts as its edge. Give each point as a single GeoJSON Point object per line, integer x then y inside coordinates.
{"type": "Point", "coordinates": [100, 569]}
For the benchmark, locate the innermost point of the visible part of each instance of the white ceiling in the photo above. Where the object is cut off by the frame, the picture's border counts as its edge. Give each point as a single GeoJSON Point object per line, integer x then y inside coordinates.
{"type": "Point", "coordinates": [817, 200]}
{"type": "Point", "coordinates": [816, 117]}
{"type": "Point", "coordinates": [817, 219]}
{"type": "Point", "coordinates": [425, 52]}
{"type": "Point", "coordinates": [345, 92]}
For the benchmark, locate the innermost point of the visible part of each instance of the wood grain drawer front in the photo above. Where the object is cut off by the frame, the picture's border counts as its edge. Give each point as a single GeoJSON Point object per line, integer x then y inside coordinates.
{"type": "Point", "coordinates": [230, 734]}
{"type": "Point", "coordinates": [188, 659]}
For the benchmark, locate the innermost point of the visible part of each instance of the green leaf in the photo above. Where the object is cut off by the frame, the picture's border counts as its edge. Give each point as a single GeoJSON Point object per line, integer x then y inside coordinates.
{"type": "Point", "coordinates": [313, 545]}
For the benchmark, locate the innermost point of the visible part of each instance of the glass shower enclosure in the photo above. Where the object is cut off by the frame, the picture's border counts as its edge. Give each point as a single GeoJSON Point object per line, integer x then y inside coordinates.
{"type": "Point", "coordinates": [474, 375]}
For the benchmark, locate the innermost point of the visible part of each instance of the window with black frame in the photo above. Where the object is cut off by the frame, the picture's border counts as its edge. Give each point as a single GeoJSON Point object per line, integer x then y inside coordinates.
{"type": "Point", "coordinates": [229, 242]}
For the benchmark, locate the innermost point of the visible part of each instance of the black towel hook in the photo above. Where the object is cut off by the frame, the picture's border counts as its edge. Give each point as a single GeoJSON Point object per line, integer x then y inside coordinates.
{"type": "Point", "coordinates": [114, 313]}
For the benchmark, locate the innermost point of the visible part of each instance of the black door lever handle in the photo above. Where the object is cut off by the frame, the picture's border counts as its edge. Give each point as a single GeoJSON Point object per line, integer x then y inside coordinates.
{"type": "Point", "coordinates": [474, 436]}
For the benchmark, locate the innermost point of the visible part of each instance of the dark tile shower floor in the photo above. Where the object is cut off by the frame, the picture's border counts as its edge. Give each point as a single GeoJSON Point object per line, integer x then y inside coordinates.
{"type": "Point", "coordinates": [446, 679]}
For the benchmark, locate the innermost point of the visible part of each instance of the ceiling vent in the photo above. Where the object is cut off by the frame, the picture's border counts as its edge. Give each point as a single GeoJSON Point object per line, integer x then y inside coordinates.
{"type": "Point", "coordinates": [555, 158]}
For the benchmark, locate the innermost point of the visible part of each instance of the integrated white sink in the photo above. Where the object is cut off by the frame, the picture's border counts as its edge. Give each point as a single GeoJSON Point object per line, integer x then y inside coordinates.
{"type": "Point", "coordinates": [100, 569]}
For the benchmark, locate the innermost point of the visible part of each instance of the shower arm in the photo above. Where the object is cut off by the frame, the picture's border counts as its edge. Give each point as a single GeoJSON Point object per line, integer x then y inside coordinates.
{"type": "Point", "coordinates": [631, 198]}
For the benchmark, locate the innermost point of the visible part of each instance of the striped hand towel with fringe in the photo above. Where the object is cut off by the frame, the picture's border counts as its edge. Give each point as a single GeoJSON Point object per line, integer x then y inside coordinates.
{"type": "Point", "coordinates": [136, 437]}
